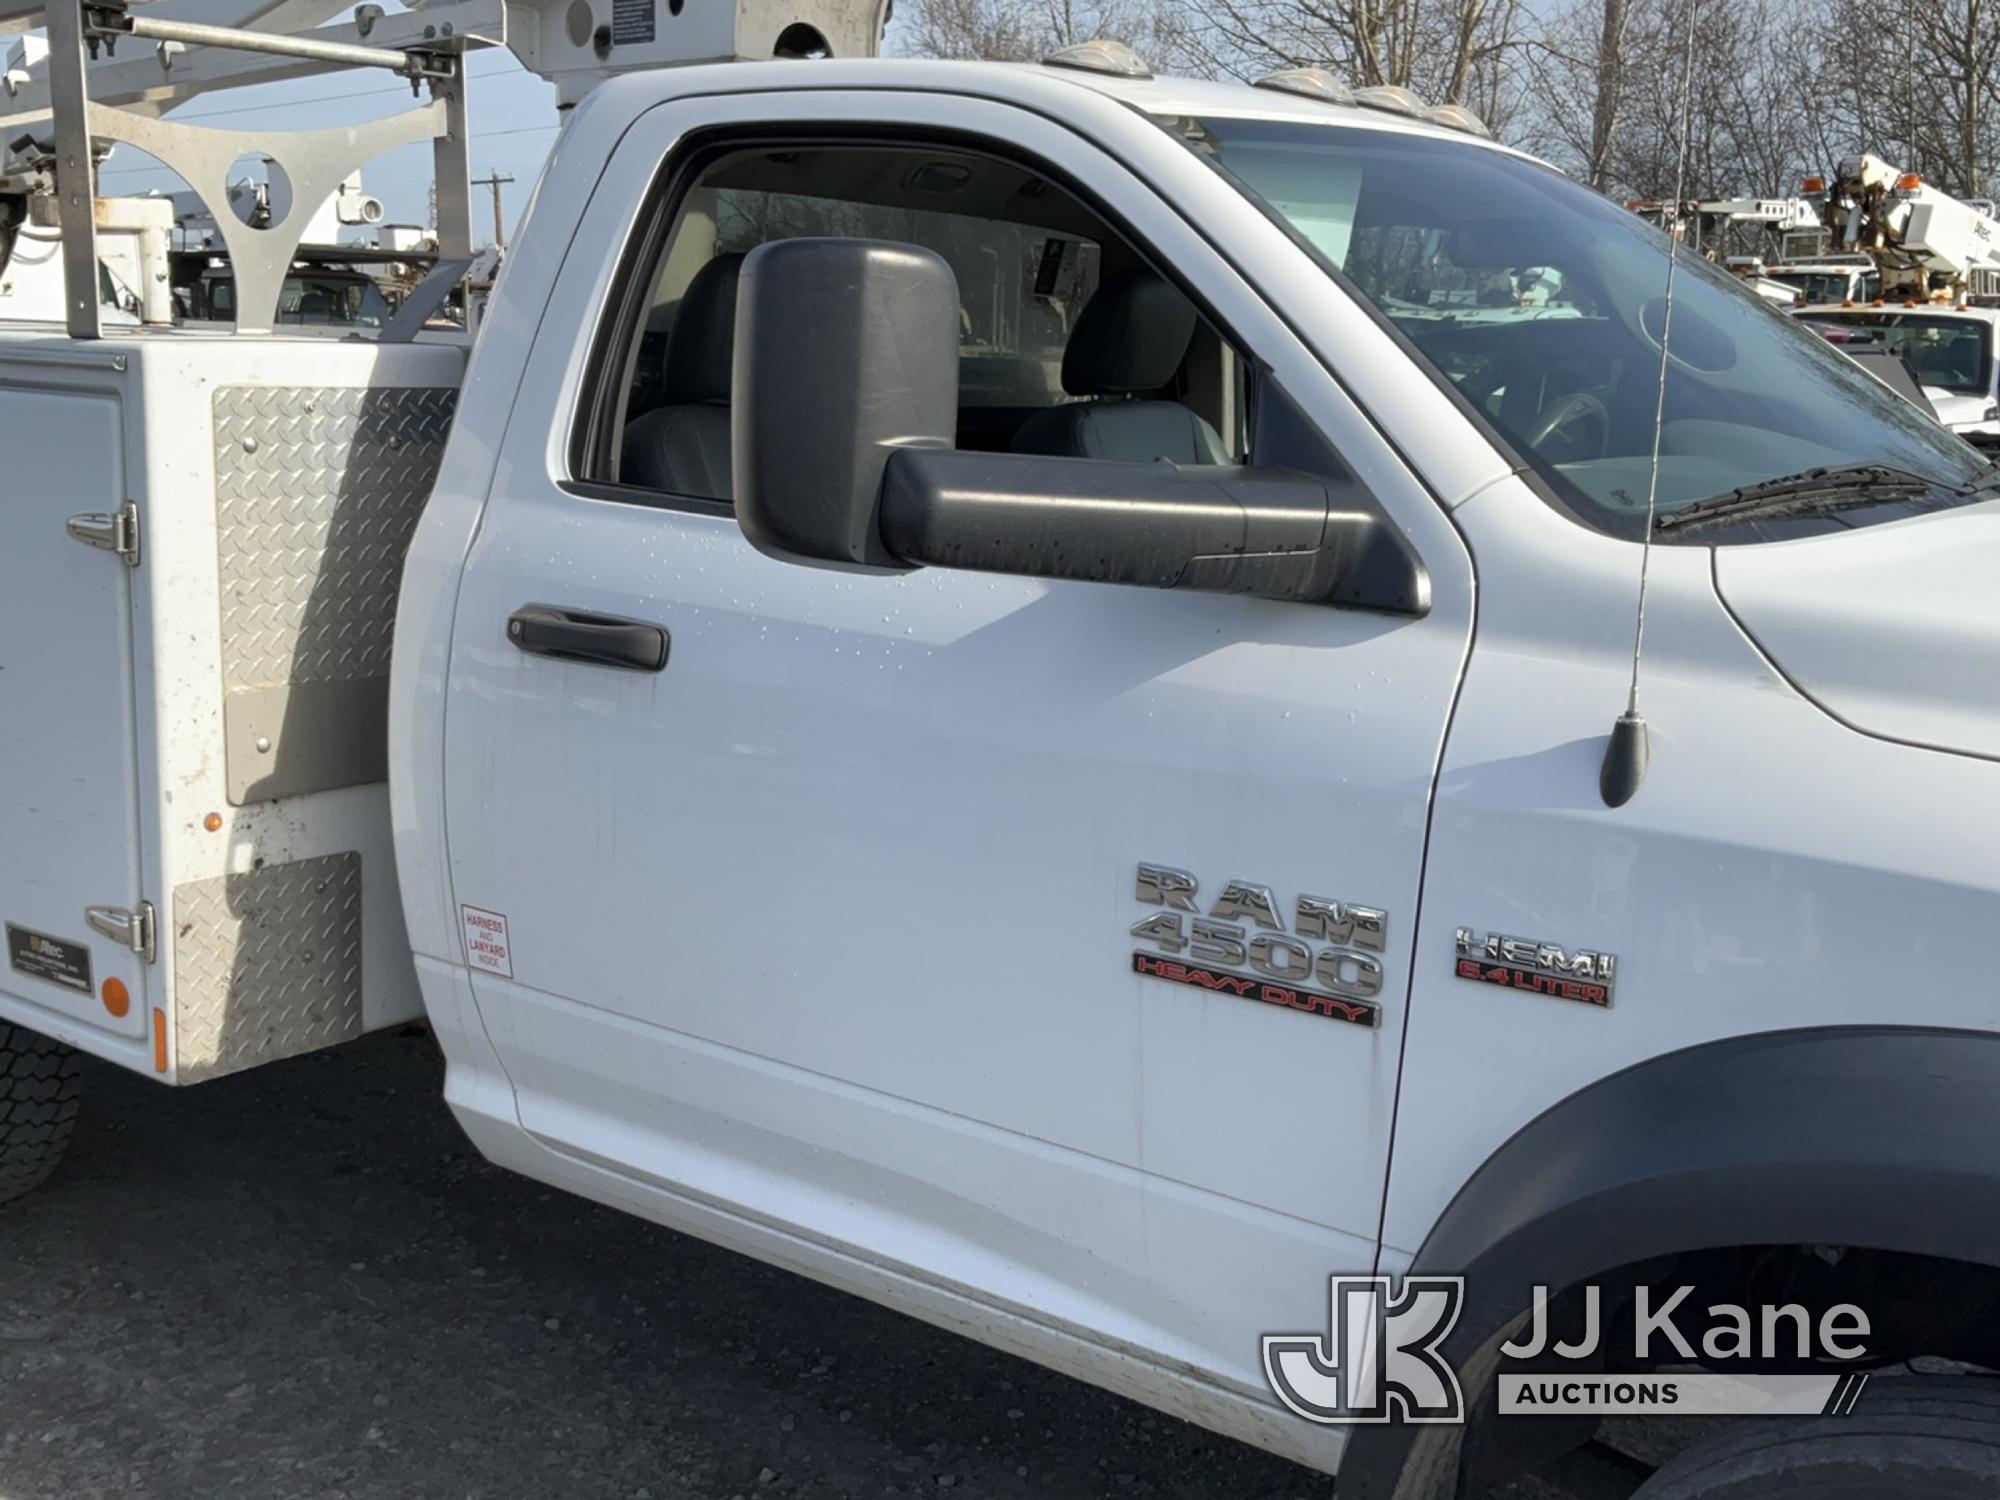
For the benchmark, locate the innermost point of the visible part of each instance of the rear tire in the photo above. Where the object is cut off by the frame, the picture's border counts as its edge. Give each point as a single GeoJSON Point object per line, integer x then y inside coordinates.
{"type": "Point", "coordinates": [1910, 1438]}
{"type": "Point", "coordinates": [41, 1089]}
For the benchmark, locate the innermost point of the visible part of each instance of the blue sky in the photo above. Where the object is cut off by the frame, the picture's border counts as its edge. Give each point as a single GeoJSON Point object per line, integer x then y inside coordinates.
{"type": "Point", "coordinates": [513, 126]}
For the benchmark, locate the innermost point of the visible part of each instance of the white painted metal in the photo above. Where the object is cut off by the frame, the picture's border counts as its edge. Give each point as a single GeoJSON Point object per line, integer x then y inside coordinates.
{"type": "Point", "coordinates": [101, 414]}
{"type": "Point", "coordinates": [31, 285]}
{"type": "Point", "coordinates": [69, 811]}
{"type": "Point", "coordinates": [816, 942]}
{"type": "Point", "coordinates": [1766, 836]}
{"type": "Point", "coordinates": [1896, 637]}
{"type": "Point", "coordinates": [804, 798]}
{"type": "Point", "coordinates": [886, 830]}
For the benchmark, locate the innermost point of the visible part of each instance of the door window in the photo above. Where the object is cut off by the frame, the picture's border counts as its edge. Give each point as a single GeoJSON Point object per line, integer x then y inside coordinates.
{"type": "Point", "coordinates": [1069, 342]}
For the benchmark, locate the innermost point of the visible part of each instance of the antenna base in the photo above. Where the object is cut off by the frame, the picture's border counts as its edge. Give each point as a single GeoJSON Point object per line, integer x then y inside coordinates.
{"type": "Point", "coordinates": [1625, 759]}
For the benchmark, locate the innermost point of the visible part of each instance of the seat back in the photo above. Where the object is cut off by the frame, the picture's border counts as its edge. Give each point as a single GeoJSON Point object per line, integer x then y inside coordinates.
{"type": "Point", "coordinates": [1128, 344]}
{"type": "Point", "coordinates": [682, 446]}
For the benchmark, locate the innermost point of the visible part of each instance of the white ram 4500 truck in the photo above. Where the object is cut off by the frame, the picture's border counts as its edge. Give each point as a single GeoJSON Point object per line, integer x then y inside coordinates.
{"type": "Point", "coordinates": [998, 687]}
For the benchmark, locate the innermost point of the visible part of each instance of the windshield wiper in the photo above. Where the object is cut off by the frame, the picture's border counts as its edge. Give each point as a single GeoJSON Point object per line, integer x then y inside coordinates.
{"type": "Point", "coordinates": [1816, 491]}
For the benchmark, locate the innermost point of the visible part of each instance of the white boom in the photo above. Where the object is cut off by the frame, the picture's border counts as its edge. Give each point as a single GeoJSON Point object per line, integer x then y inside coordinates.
{"type": "Point", "coordinates": [1929, 245]}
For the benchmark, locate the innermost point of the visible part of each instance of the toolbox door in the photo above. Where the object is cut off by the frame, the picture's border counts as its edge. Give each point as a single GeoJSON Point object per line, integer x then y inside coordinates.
{"type": "Point", "coordinates": [69, 834]}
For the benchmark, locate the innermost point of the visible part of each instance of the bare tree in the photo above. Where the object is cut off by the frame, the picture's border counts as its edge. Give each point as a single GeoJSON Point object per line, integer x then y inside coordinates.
{"type": "Point", "coordinates": [1459, 51]}
{"type": "Point", "coordinates": [1607, 94]}
{"type": "Point", "coordinates": [1918, 82]}
{"type": "Point", "coordinates": [1024, 30]}
{"type": "Point", "coordinates": [1782, 88]}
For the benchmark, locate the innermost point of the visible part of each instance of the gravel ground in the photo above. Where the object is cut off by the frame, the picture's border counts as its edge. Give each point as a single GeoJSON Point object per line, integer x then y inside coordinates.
{"type": "Point", "coordinates": [303, 1282]}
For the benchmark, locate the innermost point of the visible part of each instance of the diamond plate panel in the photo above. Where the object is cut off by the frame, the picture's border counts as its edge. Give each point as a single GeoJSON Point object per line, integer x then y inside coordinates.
{"type": "Point", "coordinates": [267, 964]}
{"type": "Point", "coordinates": [317, 490]}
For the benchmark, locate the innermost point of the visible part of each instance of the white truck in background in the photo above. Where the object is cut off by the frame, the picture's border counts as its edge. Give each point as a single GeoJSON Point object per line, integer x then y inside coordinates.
{"type": "Point", "coordinates": [1923, 284]}
{"type": "Point", "coordinates": [1738, 233]}
{"type": "Point", "coordinates": [993, 678]}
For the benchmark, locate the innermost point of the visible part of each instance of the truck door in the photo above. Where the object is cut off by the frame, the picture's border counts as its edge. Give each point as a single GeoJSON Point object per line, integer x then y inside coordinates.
{"type": "Point", "coordinates": [953, 936]}
{"type": "Point", "coordinates": [69, 805]}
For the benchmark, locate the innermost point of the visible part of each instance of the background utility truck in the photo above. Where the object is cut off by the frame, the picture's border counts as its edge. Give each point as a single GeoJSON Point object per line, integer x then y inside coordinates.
{"type": "Point", "coordinates": [1936, 299]}
{"type": "Point", "coordinates": [995, 677]}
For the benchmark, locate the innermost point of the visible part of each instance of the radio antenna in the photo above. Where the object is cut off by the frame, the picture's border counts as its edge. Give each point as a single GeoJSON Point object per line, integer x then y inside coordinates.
{"type": "Point", "coordinates": [1629, 751]}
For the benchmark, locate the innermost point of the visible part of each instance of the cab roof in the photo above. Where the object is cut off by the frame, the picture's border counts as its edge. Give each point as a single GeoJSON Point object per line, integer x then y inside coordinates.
{"type": "Point", "coordinates": [1161, 96]}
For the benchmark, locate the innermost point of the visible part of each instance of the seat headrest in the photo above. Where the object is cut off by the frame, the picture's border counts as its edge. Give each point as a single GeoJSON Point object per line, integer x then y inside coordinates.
{"type": "Point", "coordinates": [701, 346]}
{"type": "Point", "coordinates": [1130, 337]}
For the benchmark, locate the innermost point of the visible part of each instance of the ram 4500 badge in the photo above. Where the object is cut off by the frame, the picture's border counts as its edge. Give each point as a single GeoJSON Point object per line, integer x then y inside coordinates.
{"type": "Point", "coordinates": [1243, 929]}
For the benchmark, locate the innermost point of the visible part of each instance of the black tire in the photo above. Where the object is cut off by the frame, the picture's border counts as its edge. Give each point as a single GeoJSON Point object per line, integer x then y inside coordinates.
{"type": "Point", "coordinates": [40, 1092]}
{"type": "Point", "coordinates": [1911, 1437]}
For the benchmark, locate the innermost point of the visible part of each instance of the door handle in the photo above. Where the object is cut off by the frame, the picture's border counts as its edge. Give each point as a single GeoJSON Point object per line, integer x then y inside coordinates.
{"type": "Point", "coordinates": [576, 635]}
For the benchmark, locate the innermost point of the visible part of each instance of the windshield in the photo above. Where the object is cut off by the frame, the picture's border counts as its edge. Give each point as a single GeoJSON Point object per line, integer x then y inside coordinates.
{"type": "Point", "coordinates": [1543, 303]}
{"type": "Point", "coordinates": [1949, 354]}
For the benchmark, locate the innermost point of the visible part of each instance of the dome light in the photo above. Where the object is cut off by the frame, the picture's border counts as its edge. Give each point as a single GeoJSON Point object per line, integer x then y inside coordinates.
{"type": "Point", "coordinates": [1457, 117]}
{"type": "Point", "coordinates": [1100, 56]}
{"type": "Point", "coordinates": [1392, 97]}
{"type": "Point", "coordinates": [1310, 83]}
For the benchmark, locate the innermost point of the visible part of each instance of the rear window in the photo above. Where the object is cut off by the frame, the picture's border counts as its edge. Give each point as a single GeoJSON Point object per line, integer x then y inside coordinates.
{"type": "Point", "coordinates": [1021, 285]}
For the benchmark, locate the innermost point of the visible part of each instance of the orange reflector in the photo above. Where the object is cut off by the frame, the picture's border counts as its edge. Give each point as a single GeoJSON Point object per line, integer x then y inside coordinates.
{"type": "Point", "coordinates": [1813, 185]}
{"type": "Point", "coordinates": [1847, 302]}
{"type": "Point", "coordinates": [117, 999]}
{"type": "Point", "coordinates": [213, 822]}
{"type": "Point", "coordinates": [1909, 182]}
{"type": "Point", "coordinates": [1909, 304]}
{"type": "Point", "coordinates": [1878, 302]}
{"type": "Point", "coordinates": [159, 1041]}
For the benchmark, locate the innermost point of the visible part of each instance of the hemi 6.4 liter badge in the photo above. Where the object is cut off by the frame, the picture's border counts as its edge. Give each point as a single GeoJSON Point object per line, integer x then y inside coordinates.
{"type": "Point", "coordinates": [1539, 968]}
{"type": "Point", "coordinates": [1325, 963]}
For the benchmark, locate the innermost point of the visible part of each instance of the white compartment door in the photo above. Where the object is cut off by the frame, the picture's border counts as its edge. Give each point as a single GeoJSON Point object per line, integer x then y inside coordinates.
{"type": "Point", "coordinates": [69, 836]}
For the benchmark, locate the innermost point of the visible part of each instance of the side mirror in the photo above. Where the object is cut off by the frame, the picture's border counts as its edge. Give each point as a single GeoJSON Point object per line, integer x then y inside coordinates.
{"type": "Point", "coordinates": [1276, 533]}
{"type": "Point", "coordinates": [846, 352]}
{"type": "Point", "coordinates": [844, 409]}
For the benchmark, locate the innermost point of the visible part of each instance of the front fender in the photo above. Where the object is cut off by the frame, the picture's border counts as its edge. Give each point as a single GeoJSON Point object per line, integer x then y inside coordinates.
{"type": "Point", "coordinates": [1877, 1137]}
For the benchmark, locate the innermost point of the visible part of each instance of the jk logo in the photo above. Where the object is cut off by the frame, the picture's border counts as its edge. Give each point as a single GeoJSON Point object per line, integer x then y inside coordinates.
{"type": "Point", "coordinates": [1379, 1359]}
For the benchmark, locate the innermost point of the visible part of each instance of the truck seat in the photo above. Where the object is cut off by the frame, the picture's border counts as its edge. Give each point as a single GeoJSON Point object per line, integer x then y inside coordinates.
{"type": "Point", "coordinates": [682, 445]}
{"type": "Point", "coordinates": [1128, 344]}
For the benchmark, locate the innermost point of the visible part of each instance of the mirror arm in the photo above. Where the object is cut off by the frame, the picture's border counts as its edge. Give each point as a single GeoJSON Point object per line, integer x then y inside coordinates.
{"type": "Point", "coordinates": [1273, 533]}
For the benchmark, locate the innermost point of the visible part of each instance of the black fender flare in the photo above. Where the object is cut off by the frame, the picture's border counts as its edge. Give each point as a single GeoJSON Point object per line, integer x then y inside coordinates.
{"type": "Point", "coordinates": [1881, 1137]}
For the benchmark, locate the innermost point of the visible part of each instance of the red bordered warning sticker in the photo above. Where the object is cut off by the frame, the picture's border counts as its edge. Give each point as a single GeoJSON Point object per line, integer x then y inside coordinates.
{"type": "Point", "coordinates": [486, 945]}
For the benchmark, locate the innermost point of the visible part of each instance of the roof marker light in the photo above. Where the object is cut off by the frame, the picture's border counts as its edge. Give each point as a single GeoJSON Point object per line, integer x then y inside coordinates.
{"type": "Point", "coordinates": [1813, 185]}
{"type": "Point", "coordinates": [1909, 182]}
{"type": "Point", "coordinates": [1311, 83]}
{"type": "Point", "coordinates": [1100, 56]}
{"type": "Point", "coordinates": [1457, 117]}
{"type": "Point", "coordinates": [1392, 97]}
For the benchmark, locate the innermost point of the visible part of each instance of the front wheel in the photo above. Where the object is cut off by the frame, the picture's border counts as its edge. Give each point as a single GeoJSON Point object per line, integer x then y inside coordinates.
{"type": "Point", "coordinates": [1910, 1438]}
{"type": "Point", "coordinates": [40, 1093]}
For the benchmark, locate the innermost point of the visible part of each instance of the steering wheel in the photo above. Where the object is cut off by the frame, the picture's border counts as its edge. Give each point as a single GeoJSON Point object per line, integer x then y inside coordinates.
{"type": "Point", "coordinates": [1567, 411]}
